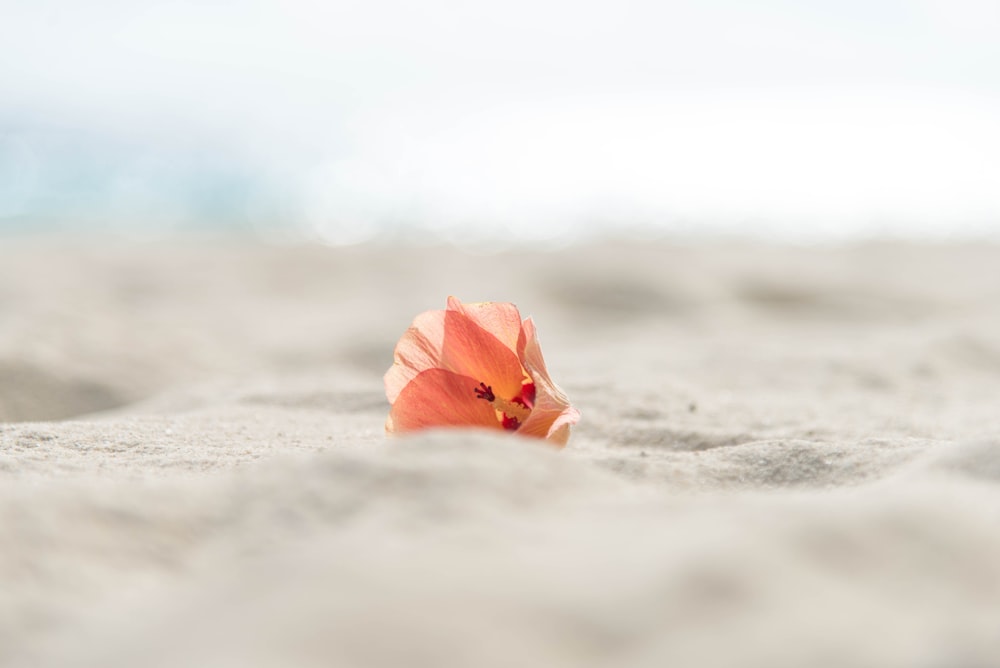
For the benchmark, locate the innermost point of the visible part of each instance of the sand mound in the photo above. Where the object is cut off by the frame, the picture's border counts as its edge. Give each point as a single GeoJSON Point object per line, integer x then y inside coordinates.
{"type": "Point", "coordinates": [30, 392]}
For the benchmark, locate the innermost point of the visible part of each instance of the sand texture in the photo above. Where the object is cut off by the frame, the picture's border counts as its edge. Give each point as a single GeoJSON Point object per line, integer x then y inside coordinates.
{"type": "Point", "coordinates": [788, 457]}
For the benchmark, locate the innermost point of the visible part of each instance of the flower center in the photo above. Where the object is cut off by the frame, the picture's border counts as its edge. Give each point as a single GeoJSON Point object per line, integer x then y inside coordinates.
{"type": "Point", "coordinates": [511, 412]}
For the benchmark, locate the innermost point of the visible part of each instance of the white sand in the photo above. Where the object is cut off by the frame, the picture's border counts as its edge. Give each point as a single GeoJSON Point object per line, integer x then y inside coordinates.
{"type": "Point", "coordinates": [788, 457]}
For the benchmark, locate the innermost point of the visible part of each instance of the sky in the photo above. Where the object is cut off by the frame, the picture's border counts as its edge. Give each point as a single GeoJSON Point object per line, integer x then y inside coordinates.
{"type": "Point", "coordinates": [549, 119]}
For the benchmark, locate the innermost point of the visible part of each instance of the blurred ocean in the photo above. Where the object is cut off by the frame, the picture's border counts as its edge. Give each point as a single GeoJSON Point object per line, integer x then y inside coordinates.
{"type": "Point", "coordinates": [531, 122]}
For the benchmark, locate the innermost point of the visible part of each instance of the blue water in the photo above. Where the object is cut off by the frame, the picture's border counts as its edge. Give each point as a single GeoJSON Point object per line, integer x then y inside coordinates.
{"type": "Point", "coordinates": [56, 179]}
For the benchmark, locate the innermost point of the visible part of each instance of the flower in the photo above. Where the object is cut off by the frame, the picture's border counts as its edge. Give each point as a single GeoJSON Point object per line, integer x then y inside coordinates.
{"type": "Point", "coordinates": [475, 365]}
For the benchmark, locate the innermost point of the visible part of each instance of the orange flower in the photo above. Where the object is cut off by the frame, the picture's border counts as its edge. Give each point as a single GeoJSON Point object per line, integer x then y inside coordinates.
{"type": "Point", "coordinates": [475, 365]}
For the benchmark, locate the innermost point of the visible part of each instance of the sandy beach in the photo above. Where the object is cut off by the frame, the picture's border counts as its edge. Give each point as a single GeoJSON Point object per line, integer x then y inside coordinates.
{"type": "Point", "coordinates": [789, 456]}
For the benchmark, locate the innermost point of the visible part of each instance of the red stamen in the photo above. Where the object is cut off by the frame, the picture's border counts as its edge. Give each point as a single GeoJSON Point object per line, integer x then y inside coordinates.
{"type": "Point", "coordinates": [510, 423]}
{"type": "Point", "coordinates": [485, 391]}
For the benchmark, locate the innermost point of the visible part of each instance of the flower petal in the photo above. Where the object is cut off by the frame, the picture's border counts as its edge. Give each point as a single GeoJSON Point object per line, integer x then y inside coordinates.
{"type": "Point", "coordinates": [418, 349]}
{"type": "Point", "coordinates": [501, 319]}
{"type": "Point", "coordinates": [453, 341]}
{"type": "Point", "coordinates": [440, 398]}
{"type": "Point", "coordinates": [472, 351]}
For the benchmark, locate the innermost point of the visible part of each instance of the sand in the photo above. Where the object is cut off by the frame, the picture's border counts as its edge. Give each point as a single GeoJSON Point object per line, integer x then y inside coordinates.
{"type": "Point", "coordinates": [788, 457]}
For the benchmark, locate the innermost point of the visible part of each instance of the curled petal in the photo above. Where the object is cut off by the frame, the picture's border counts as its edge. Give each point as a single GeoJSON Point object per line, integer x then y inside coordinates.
{"type": "Point", "coordinates": [552, 414]}
{"type": "Point", "coordinates": [558, 430]}
{"type": "Point", "coordinates": [440, 398]}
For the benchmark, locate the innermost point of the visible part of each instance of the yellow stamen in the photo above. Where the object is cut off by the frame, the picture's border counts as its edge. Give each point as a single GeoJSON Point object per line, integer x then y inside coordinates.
{"type": "Point", "coordinates": [510, 408]}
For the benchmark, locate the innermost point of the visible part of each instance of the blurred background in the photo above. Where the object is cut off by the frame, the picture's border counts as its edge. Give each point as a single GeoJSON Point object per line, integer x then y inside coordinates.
{"type": "Point", "coordinates": [776, 443]}
{"type": "Point", "coordinates": [543, 121]}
